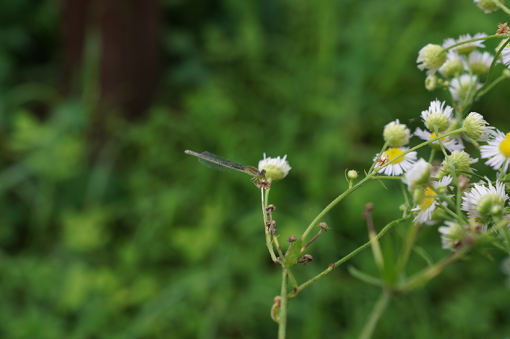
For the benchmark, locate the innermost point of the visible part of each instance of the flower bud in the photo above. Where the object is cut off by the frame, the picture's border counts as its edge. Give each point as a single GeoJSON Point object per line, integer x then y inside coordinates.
{"type": "Point", "coordinates": [275, 168]}
{"type": "Point", "coordinates": [418, 195]}
{"type": "Point", "coordinates": [453, 66]}
{"type": "Point", "coordinates": [461, 163]}
{"type": "Point", "coordinates": [352, 174]}
{"type": "Point", "coordinates": [396, 134]}
{"type": "Point", "coordinates": [431, 82]}
{"type": "Point", "coordinates": [431, 57]}
{"type": "Point", "coordinates": [476, 127]}
{"type": "Point", "coordinates": [488, 204]}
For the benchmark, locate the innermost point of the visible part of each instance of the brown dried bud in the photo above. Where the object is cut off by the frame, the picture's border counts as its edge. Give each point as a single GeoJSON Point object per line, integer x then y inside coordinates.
{"type": "Point", "coordinates": [275, 309]}
{"type": "Point", "coordinates": [270, 208]}
{"type": "Point", "coordinates": [271, 224]}
{"type": "Point", "coordinates": [263, 184]}
{"type": "Point", "coordinates": [324, 226]}
{"type": "Point", "coordinates": [502, 29]}
{"type": "Point", "coordinates": [292, 238]}
{"type": "Point", "coordinates": [369, 207]}
{"type": "Point", "coordinates": [305, 259]}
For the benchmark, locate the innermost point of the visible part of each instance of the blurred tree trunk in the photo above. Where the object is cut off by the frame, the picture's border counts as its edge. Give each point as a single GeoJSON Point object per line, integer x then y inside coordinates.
{"type": "Point", "coordinates": [128, 64]}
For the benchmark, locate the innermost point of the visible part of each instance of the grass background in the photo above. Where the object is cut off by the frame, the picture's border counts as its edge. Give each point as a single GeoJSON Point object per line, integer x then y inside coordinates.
{"type": "Point", "coordinates": [108, 230]}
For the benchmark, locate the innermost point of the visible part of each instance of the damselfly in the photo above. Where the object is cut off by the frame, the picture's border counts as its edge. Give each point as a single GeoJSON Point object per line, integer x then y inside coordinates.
{"type": "Point", "coordinates": [221, 164]}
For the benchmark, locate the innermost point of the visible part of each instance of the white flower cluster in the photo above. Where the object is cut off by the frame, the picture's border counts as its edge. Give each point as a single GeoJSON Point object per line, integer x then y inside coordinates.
{"type": "Point", "coordinates": [434, 189]}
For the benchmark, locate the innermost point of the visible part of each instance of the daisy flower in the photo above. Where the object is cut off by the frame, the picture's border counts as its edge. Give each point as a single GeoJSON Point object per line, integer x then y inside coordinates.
{"type": "Point", "coordinates": [453, 66]}
{"type": "Point", "coordinates": [482, 201]}
{"type": "Point", "coordinates": [451, 235]}
{"type": "Point", "coordinates": [437, 116]}
{"type": "Point", "coordinates": [467, 47]}
{"type": "Point", "coordinates": [487, 5]}
{"type": "Point", "coordinates": [276, 168]}
{"type": "Point", "coordinates": [479, 62]}
{"type": "Point", "coordinates": [498, 150]}
{"type": "Point", "coordinates": [431, 57]}
{"type": "Point", "coordinates": [468, 85]}
{"type": "Point", "coordinates": [476, 127]}
{"type": "Point", "coordinates": [418, 174]}
{"type": "Point", "coordinates": [400, 165]}
{"type": "Point", "coordinates": [430, 202]}
{"type": "Point", "coordinates": [449, 143]}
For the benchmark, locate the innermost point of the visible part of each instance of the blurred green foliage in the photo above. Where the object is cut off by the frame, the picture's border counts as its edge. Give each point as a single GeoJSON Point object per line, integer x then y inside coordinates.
{"type": "Point", "coordinates": [131, 238]}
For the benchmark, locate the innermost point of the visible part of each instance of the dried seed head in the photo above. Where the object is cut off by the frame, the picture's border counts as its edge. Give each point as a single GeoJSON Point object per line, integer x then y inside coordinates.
{"type": "Point", "coordinates": [306, 259]}
{"type": "Point", "coordinates": [263, 184]}
{"type": "Point", "coordinates": [292, 239]}
{"type": "Point", "coordinates": [324, 226]}
{"type": "Point", "coordinates": [502, 29]}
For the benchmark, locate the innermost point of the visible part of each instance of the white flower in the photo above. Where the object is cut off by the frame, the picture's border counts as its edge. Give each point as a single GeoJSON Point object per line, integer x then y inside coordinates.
{"type": "Point", "coordinates": [276, 168]}
{"type": "Point", "coordinates": [467, 86]}
{"type": "Point", "coordinates": [505, 56]}
{"type": "Point", "coordinates": [487, 5]}
{"type": "Point", "coordinates": [467, 47]}
{"type": "Point", "coordinates": [479, 62]}
{"type": "Point", "coordinates": [418, 174]}
{"type": "Point", "coordinates": [429, 204]}
{"type": "Point", "coordinates": [483, 201]}
{"type": "Point", "coordinates": [400, 165]}
{"type": "Point", "coordinates": [449, 143]}
{"type": "Point", "coordinates": [451, 235]}
{"type": "Point", "coordinates": [498, 150]}
{"type": "Point", "coordinates": [476, 127]}
{"type": "Point", "coordinates": [437, 116]}
{"type": "Point", "coordinates": [453, 66]}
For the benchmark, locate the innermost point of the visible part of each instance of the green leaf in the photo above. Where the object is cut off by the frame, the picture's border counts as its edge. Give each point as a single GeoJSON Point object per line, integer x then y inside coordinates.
{"type": "Point", "coordinates": [294, 253]}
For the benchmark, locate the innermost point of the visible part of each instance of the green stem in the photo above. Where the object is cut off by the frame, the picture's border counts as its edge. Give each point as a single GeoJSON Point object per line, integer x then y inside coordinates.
{"type": "Point", "coordinates": [432, 153]}
{"type": "Point", "coordinates": [379, 154]}
{"type": "Point", "coordinates": [269, 244]}
{"type": "Point", "coordinates": [503, 7]}
{"type": "Point", "coordinates": [282, 322]}
{"type": "Point", "coordinates": [506, 235]}
{"type": "Point", "coordinates": [496, 36]}
{"type": "Point", "coordinates": [455, 216]}
{"type": "Point", "coordinates": [408, 246]}
{"type": "Point", "coordinates": [427, 274]}
{"type": "Point", "coordinates": [453, 172]}
{"type": "Point", "coordinates": [473, 174]}
{"type": "Point", "coordinates": [378, 310]}
{"type": "Point", "coordinates": [491, 69]}
{"type": "Point", "coordinates": [293, 281]}
{"type": "Point", "coordinates": [384, 177]}
{"type": "Point", "coordinates": [370, 177]}
{"type": "Point", "coordinates": [347, 257]}
{"type": "Point", "coordinates": [332, 204]}
{"type": "Point", "coordinates": [494, 83]}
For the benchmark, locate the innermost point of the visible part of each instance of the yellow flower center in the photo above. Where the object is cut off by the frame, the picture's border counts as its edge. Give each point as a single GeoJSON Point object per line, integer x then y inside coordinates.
{"type": "Point", "coordinates": [504, 146]}
{"type": "Point", "coordinates": [393, 153]}
{"type": "Point", "coordinates": [433, 135]}
{"type": "Point", "coordinates": [429, 198]}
